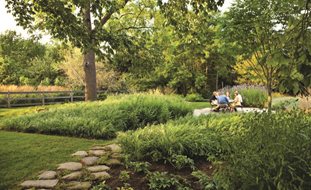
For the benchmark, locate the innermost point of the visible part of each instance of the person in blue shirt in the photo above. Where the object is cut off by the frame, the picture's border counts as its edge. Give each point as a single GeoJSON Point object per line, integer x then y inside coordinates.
{"type": "Point", "coordinates": [222, 101]}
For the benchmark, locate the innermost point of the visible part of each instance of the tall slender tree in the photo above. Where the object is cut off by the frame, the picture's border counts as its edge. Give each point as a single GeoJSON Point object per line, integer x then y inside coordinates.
{"type": "Point", "coordinates": [273, 33]}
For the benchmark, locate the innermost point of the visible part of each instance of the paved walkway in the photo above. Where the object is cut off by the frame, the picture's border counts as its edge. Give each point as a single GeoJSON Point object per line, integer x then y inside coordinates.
{"type": "Point", "coordinates": [208, 111]}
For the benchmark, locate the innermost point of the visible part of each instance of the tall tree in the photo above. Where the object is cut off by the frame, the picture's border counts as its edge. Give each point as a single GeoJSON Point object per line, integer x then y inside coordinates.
{"type": "Point", "coordinates": [82, 22]}
{"type": "Point", "coordinates": [268, 34]}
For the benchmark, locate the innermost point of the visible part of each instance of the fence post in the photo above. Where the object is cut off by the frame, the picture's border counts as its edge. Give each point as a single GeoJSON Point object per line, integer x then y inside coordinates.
{"type": "Point", "coordinates": [71, 96]}
{"type": "Point", "coordinates": [8, 99]}
{"type": "Point", "coordinates": [43, 99]}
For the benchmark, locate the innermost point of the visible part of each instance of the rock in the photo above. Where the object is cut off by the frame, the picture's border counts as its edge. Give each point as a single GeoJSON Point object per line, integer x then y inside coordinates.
{"type": "Point", "coordinates": [116, 156]}
{"type": "Point", "coordinates": [40, 183]}
{"type": "Point", "coordinates": [98, 148]}
{"type": "Point", "coordinates": [113, 148]}
{"type": "Point", "coordinates": [101, 175]}
{"type": "Point", "coordinates": [113, 162]}
{"type": "Point", "coordinates": [73, 176]}
{"type": "Point", "coordinates": [47, 175]}
{"type": "Point", "coordinates": [75, 185]}
{"type": "Point", "coordinates": [72, 166]}
{"type": "Point", "coordinates": [89, 161]}
{"type": "Point", "coordinates": [98, 168]}
{"type": "Point", "coordinates": [80, 154]}
{"type": "Point", "coordinates": [97, 152]}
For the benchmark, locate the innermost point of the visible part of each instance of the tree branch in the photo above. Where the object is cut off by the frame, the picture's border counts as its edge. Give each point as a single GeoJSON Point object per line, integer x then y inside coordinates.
{"type": "Point", "coordinates": [134, 28]}
{"type": "Point", "coordinates": [108, 15]}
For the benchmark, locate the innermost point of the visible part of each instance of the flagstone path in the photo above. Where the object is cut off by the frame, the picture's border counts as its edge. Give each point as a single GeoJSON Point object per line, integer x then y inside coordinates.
{"type": "Point", "coordinates": [92, 165]}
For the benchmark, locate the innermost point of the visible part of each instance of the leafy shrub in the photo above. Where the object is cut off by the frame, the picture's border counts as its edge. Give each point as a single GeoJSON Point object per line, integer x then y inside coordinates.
{"type": "Point", "coordinates": [102, 119]}
{"type": "Point", "coordinates": [181, 161]}
{"type": "Point", "coordinates": [285, 104]}
{"type": "Point", "coordinates": [273, 153]}
{"type": "Point", "coordinates": [194, 98]}
{"type": "Point", "coordinates": [139, 167]}
{"type": "Point", "coordinates": [124, 176]}
{"type": "Point", "coordinates": [101, 186]}
{"type": "Point", "coordinates": [162, 180]}
{"type": "Point", "coordinates": [205, 181]}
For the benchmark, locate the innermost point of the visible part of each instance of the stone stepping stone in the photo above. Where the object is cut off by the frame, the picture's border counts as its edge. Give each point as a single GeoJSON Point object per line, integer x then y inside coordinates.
{"type": "Point", "coordinates": [89, 161]}
{"type": "Point", "coordinates": [76, 185]}
{"type": "Point", "coordinates": [116, 156]}
{"type": "Point", "coordinates": [98, 168]}
{"type": "Point", "coordinates": [73, 176]}
{"type": "Point", "coordinates": [80, 154]}
{"type": "Point", "coordinates": [113, 162]}
{"type": "Point", "coordinates": [97, 152]}
{"type": "Point", "coordinates": [40, 183]}
{"type": "Point", "coordinates": [47, 175]}
{"type": "Point", "coordinates": [98, 148]}
{"type": "Point", "coordinates": [113, 148]}
{"type": "Point", "coordinates": [72, 166]}
{"type": "Point", "coordinates": [101, 175]}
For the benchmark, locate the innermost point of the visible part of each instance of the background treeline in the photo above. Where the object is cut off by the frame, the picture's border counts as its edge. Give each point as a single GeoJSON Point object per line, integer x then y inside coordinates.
{"type": "Point", "coordinates": [194, 52]}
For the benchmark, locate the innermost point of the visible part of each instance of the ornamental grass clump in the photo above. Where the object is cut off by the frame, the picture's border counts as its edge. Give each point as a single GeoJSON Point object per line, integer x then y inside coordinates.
{"type": "Point", "coordinates": [249, 151]}
{"type": "Point", "coordinates": [191, 137]}
{"type": "Point", "coordinates": [101, 119]}
{"type": "Point", "coordinates": [273, 153]}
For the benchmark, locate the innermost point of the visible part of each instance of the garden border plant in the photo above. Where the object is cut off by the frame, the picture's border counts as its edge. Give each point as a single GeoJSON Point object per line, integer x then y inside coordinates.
{"type": "Point", "coordinates": [101, 119]}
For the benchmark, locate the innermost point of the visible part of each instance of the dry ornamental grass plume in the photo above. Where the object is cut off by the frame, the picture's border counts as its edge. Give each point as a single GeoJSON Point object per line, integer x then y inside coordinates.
{"type": "Point", "coordinates": [27, 88]}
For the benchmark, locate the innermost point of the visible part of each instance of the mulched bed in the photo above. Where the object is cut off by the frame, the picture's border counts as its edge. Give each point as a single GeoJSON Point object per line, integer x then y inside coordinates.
{"type": "Point", "coordinates": [139, 181]}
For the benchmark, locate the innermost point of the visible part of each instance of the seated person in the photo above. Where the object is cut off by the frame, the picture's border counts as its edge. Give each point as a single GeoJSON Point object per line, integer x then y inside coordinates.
{"type": "Point", "coordinates": [213, 99]}
{"type": "Point", "coordinates": [237, 102]}
{"type": "Point", "coordinates": [222, 101]}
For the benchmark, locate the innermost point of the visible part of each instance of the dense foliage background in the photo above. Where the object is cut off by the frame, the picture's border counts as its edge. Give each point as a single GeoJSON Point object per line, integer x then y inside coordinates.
{"type": "Point", "coordinates": [195, 51]}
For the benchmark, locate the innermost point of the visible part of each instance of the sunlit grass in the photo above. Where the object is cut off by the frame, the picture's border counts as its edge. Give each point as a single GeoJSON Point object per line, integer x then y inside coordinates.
{"type": "Point", "coordinates": [23, 156]}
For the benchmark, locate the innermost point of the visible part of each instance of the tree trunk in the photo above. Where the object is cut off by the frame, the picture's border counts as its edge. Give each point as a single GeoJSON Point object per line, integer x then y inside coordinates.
{"type": "Point", "coordinates": [89, 59]}
{"type": "Point", "coordinates": [90, 75]}
{"type": "Point", "coordinates": [269, 88]}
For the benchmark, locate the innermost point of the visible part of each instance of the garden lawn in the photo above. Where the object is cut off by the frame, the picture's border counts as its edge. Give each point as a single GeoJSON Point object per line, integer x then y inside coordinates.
{"type": "Point", "coordinates": [23, 156]}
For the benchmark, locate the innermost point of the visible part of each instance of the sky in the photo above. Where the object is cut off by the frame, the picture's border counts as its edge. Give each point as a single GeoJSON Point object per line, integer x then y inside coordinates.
{"type": "Point", "coordinates": [8, 22]}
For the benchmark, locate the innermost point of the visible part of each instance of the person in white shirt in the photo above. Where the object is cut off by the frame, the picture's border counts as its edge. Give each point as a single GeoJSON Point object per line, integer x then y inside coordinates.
{"type": "Point", "coordinates": [237, 102]}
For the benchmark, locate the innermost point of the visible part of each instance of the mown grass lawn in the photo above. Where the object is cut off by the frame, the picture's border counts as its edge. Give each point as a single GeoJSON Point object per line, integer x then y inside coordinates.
{"type": "Point", "coordinates": [23, 156]}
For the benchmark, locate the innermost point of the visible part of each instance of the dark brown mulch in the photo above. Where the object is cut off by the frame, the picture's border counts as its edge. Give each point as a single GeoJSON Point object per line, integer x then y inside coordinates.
{"type": "Point", "coordinates": [139, 181]}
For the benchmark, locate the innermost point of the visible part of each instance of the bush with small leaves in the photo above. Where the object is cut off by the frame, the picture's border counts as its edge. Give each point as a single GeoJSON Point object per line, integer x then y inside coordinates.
{"type": "Point", "coordinates": [161, 181]}
{"type": "Point", "coordinates": [181, 161]}
{"type": "Point", "coordinates": [205, 181]}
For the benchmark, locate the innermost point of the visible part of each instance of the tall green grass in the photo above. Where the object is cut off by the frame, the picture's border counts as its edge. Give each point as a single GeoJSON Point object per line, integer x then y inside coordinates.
{"type": "Point", "coordinates": [253, 96]}
{"type": "Point", "coordinates": [192, 137]}
{"type": "Point", "coordinates": [101, 119]}
{"type": "Point", "coordinates": [273, 153]}
{"type": "Point", "coordinates": [250, 151]}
